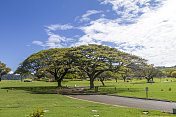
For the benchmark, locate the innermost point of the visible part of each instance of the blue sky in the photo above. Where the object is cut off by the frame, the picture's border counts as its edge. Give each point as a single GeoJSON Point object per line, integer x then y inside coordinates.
{"type": "Point", "coordinates": [142, 27]}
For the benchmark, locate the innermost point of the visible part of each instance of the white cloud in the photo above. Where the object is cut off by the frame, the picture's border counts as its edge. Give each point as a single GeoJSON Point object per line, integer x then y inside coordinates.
{"type": "Point", "coordinates": [153, 33]}
{"type": "Point", "coordinates": [85, 40]}
{"type": "Point", "coordinates": [128, 10]}
{"type": "Point", "coordinates": [38, 43]}
{"type": "Point", "coordinates": [55, 27]}
{"type": "Point", "coordinates": [54, 41]}
{"type": "Point", "coordinates": [85, 17]}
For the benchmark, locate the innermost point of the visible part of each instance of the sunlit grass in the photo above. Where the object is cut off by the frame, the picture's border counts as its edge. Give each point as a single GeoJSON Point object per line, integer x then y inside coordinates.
{"type": "Point", "coordinates": [19, 99]}
{"type": "Point", "coordinates": [162, 88]}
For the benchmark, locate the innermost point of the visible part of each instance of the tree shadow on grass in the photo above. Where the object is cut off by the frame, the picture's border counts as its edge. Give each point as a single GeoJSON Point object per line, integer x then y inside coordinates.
{"type": "Point", "coordinates": [139, 83]}
{"type": "Point", "coordinates": [36, 89]}
{"type": "Point", "coordinates": [72, 90]}
{"type": "Point", "coordinates": [114, 89]}
{"type": "Point", "coordinates": [49, 90]}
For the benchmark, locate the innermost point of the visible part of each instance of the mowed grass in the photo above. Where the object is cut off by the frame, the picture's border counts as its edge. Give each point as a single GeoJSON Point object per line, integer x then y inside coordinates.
{"type": "Point", "coordinates": [137, 88]}
{"type": "Point", "coordinates": [19, 99]}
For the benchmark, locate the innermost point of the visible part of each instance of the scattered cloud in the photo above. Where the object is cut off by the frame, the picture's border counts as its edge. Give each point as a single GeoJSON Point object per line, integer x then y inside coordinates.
{"type": "Point", "coordinates": [38, 43]}
{"type": "Point", "coordinates": [85, 17]}
{"type": "Point", "coordinates": [54, 41]}
{"type": "Point", "coordinates": [55, 27]}
{"type": "Point", "coordinates": [142, 27]}
{"type": "Point", "coordinates": [129, 10]}
{"type": "Point", "coordinates": [57, 41]}
{"type": "Point", "coordinates": [152, 36]}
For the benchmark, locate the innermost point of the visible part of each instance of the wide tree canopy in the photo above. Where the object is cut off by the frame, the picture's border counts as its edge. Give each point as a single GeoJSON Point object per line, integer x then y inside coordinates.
{"type": "Point", "coordinates": [91, 60]}
{"type": "Point", "coordinates": [96, 59]}
{"type": "Point", "coordinates": [55, 61]}
{"type": "Point", "coordinates": [3, 69]}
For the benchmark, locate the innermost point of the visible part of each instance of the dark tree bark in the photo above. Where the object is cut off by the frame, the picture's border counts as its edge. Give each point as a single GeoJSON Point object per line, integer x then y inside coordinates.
{"type": "Point", "coordinates": [91, 83]}
{"type": "Point", "coordinates": [60, 77]}
{"type": "Point", "coordinates": [59, 83]}
{"type": "Point", "coordinates": [124, 78]}
{"type": "Point", "coordinates": [149, 78]}
{"type": "Point", "coordinates": [116, 79]}
{"type": "Point", "coordinates": [92, 77]}
{"type": "Point", "coordinates": [102, 82]}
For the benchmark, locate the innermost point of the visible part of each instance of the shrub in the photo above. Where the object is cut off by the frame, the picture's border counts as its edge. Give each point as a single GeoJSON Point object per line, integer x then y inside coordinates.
{"type": "Point", "coordinates": [38, 113]}
{"type": "Point", "coordinates": [173, 74]}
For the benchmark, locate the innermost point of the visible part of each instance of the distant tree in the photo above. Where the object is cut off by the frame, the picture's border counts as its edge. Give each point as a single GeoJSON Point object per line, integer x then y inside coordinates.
{"type": "Point", "coordinates": [148, 72]}
{"type": "Point", "coordinates": [125, 72]}
{"type": "Point", "coordinates": [116, 76]}
{"type": "Point", "coordinates": [105, 75]}
{"type": "Point", "coordinates": [3, 70]}
{"type": "Point", "coordinates": [40, 74]}
{"type": "Point", "coordinates": [81, 74]}
{"type": "Point", "coordinates": [22, 72]}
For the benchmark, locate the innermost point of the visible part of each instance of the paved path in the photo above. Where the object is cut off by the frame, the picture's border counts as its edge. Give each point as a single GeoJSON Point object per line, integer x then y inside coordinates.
{"type": "Point", "coordinates": [129, 102]}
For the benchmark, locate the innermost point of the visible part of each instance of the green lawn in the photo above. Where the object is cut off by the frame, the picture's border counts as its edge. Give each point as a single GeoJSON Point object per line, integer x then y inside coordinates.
{"type": "Point", "coordinates": [19, 99]}
{"type": "Point", "coordinates": [136, 88]}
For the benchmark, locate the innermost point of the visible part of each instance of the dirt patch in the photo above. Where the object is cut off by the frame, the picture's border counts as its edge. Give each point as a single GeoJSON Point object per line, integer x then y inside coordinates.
{"type": "Point", "coordinates": [74, 91]}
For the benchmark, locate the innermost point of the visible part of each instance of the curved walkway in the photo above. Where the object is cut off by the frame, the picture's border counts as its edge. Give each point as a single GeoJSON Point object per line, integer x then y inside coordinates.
{"type": "Point", "coordinates": [129, 102]}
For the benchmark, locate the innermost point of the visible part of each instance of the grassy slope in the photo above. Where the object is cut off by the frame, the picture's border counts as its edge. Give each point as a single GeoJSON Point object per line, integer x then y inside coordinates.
{"type": "Point", "coordinates": [23, 98]}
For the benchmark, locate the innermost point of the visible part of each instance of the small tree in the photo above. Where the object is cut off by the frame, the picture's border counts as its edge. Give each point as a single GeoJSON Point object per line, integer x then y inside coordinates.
{"type": "Point", "coordinates": [125, 72]}
{"type": "Point", "coordinates": [3, 70]}
{"type": "Point", "coordinates": [148, 72]}
{"type": "Point", "coordinates": [22, 72]}
{"type": "Point", "coordinates": [105, 75]}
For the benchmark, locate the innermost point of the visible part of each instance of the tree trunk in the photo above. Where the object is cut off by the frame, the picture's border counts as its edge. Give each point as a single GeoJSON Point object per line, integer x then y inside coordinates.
{"type": "Point", "coordinates": [102, 82]}
{"type": "Point", "coordinates": [116, 79]}
{"type": "Point", "coordinates": [148, 79]}
{"type": "Point", "coordinates": [91, 83]}
{"type": "Point", "coordinates": [124, 78]}
{"type": "Point", "coordinates": [21, 78]}
{"type": "Point", "coordinates": [59, 83]}
{"type": "Point", "coordinates": [0, 78]}
{"type": "Point", "coordinates": [57, 79]}
{"type": "Point", "coordinates": [55, 76]}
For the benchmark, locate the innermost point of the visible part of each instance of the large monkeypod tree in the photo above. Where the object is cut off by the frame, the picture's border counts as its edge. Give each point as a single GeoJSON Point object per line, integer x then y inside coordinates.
{"type": "Point", "coordinates": [55, 61]}
{"type": "Point", "coordinates": [96, 59]}
{"type": "Point", "coordinates": [3, 70]}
